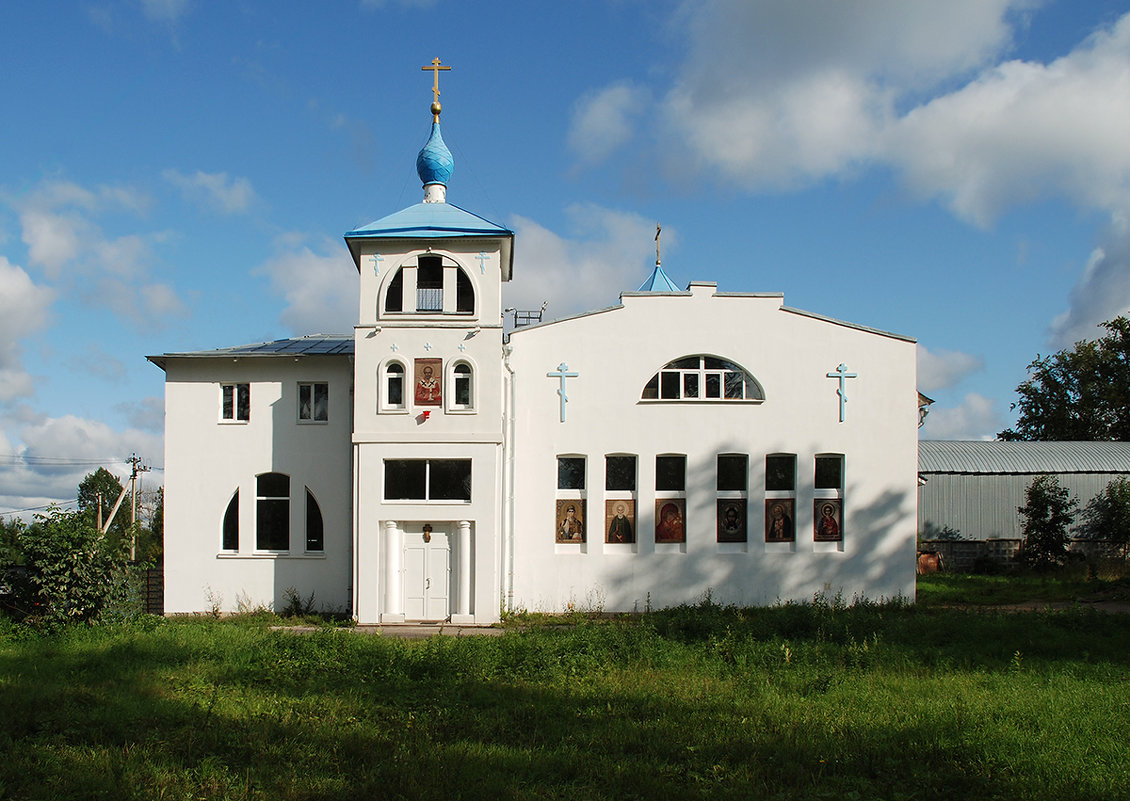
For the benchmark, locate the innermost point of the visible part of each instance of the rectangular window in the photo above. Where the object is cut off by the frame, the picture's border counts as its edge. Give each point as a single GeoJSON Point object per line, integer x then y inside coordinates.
{"type": "Point", "coordinates": [733, 472]}
{"type": "Point", "coordinates": [571, 472]}
{"type": "Point", "coordinates": [235, 403]}
{"type": "Point", "coordinates": [427, 480]}
{"type": "Point", "coordinates": [620, 473]}
{"type": "Point", "coordinates": [272, 512]}
{"type": "Point", "coordinates": [830, 472]}
{"type": "Point", "coordinates": [780, 472]}
{"type": "Point", "coordinates": [429, 284]}
{"type": "Point", "coordinates": [670, 473]}
{"type": "Point", "coordinates": [313, 402]}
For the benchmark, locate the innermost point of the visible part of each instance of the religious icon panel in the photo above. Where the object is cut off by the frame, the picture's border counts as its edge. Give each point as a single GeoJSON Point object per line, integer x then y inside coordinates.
{"type": "Point", "coordinates": [571, 520]}
{"type": "Point", "coordinates": [671, 520]}
{"type": "Point", "coordinates": [829, 516]}
{"type": "Point", "coordinates": [620, 517]}
{"type": "Point", "coordinates": [731, 520]}
{"type": "Point", "coordinates": [428, 382]}
{"type": "Point", "coordinates": [780, 517]}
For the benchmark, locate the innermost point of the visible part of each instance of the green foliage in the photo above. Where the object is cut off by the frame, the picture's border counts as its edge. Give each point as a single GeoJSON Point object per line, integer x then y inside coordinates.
{"type": "Point", "coordinates": [1048, 512]}
{"type": "Point", "coordinates": [74, 573]}
{"type": "Point", "coordinates": [1107, 516]}
{"type": "Point", "coordinates": [102, 483]}
{"type": "Point", "coordinates": [1078, 394]}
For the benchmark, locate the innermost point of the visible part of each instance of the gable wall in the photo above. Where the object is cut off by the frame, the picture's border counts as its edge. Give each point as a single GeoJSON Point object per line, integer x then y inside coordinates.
{"type": "Point", "coordinates": [616, 352]}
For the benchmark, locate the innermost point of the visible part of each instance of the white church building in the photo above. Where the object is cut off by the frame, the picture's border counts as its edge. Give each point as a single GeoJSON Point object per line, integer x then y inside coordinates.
{"type": "Point", "coordinates": [432, 467]}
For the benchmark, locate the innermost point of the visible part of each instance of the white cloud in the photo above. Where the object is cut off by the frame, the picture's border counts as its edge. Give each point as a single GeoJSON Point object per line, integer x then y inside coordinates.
{"type": "Point", "coordinates": [230, 196]}
{"type": "Point", "coordinates": [24, 309]}
{"type": "Point", "coordinates": [975, 418]}
{"type": "Point", "coordinates": [603, 120]}
{"type": "Point", "coordinates": [608, 253]}
{"type": "Point", "coordinates": [1025, 131]}
{"type": "Point", "coordinates": [1101, 293]}
{"type": "Point", "coordinates": [321, 289]}
{"type": "Point", "coordinates": [57, 453]}
{"type": "Point", "coordinates": [944, 368]}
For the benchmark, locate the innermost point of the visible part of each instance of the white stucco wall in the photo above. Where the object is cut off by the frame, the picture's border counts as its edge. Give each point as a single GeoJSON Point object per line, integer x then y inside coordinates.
{"type": "Point", "coordinates": [207, 460]}
{"type": "Point", "coordinates": [616, 352]}
{"type": "Point", "coordinates": [381, 433]}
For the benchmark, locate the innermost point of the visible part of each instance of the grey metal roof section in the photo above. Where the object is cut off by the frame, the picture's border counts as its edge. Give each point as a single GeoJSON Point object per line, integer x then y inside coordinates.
{"type": "Point", "coordinates": [976, 457]}
{"type": "Point", "coordinates": [312, 345]}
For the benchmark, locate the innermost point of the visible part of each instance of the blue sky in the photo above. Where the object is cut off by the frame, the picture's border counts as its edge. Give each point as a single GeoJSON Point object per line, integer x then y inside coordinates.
{"type": "Point", "coordinates": [177, 175]}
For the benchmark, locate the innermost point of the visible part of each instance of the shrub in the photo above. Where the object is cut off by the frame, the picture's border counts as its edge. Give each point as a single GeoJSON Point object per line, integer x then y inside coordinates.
{"type": "Point", "coordinates": [1048, 511]}
{"type": "Point", "coordinates": [74, 572]}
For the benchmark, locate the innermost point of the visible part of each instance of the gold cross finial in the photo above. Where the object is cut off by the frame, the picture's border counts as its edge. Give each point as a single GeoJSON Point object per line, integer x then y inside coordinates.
{"type": "Point", "coordinates": [658, 230]}
{"type": "Point", "coordinates": [435, 70]}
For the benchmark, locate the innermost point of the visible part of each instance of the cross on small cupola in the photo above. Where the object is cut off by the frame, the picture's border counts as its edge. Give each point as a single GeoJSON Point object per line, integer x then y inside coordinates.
{"type": "Point", "coordinates": [435, 69]}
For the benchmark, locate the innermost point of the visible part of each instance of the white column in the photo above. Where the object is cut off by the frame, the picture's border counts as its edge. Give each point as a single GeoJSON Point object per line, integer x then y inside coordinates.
{"type": "Point", "coordinates": [394, 550]}
{"type": "Point", "coordinates": [463, 588]}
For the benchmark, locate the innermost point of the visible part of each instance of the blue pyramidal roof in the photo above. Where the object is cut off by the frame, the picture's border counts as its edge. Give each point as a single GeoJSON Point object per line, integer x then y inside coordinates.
{"type": "Point", "coordinates": [658, 282]}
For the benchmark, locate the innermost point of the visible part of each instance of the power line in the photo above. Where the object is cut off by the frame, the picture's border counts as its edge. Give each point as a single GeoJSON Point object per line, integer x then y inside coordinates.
{"type": "Point", "coordinates": [62, 504]}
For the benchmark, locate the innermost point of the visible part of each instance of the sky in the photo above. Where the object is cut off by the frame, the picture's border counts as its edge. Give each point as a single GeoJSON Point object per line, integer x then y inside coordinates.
{"type": "Point", "coordinates": [177, 175]}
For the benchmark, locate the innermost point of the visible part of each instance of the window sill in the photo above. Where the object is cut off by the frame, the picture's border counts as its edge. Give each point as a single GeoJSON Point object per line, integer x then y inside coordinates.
{"type": "Point", "coordinates": [393, 410]}
{"type": "Point", "coordinates": [418, 501]}
{"type": "Point", "coordinates": [313, 422]}
{"type": "Point", "coordinates": [234, 422]}
{"type": "Point", "coordinates": [706, 401]}
{"type": "Point", "coordinates": [271, 555]}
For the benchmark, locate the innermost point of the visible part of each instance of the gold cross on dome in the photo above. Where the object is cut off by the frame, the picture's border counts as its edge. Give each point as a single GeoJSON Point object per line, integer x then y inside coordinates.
{"type": "Point", "coordinates": [435, 68]}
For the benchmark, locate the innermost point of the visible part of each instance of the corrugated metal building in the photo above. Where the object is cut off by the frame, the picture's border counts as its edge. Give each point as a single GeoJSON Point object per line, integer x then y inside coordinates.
{"type": "Point", "coordinates": [976, 487]}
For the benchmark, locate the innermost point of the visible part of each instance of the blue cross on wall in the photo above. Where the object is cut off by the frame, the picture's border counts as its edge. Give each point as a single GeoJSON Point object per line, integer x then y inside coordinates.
{"type": "Point", "coordinates": [842, 373]}
{"type": "Point", "coordinates": [377, 259]}
{"type": "Point", "coordinates": [483, 262]}
{"type": "Point", "coordinates": [562, 373]}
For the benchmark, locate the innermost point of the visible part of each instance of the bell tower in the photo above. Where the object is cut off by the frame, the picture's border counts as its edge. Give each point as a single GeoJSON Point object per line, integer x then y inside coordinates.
{"type": "Point", "coordinates": [428, 402]}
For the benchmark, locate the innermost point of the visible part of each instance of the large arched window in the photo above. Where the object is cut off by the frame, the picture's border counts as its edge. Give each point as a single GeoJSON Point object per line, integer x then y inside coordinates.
{"type": "Point", "coordinates": [442, 286]}
{"type": "Point", "coordinates": [702, 378]}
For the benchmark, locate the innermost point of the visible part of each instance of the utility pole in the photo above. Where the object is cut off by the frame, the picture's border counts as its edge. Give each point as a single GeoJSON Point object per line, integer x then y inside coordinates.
{"type": "Point", "coordinates": [138, 467]}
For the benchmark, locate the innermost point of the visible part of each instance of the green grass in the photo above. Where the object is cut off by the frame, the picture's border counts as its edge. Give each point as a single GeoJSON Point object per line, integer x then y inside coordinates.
{"type": "Point", "coordinates": [1079, 583]}
{"type": "Point", "coordinates": [794, 701]}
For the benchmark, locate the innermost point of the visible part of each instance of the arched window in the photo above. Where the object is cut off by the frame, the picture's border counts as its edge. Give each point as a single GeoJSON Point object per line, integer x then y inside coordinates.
{"type": "Point", "coordinates": [393, 395]}
{"type": "Point", "coordinates": [435, 276]}
{"type": "Point", "coordinates": [462, 387]}
{"type": "Point", "coordinates": [702, 378]}
{"type": "Point", "coordinates": [230, 539]}
{"type": "Point", "coordinates": [315, 537]}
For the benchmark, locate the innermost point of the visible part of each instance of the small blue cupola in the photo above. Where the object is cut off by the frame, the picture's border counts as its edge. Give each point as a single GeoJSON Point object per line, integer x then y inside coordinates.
{"type": "Point", "coordinates": [434, 165]}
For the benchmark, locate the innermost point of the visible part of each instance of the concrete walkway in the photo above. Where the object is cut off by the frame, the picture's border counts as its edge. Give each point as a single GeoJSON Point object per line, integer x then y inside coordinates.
{"type": "Point", "coordinates": [407, 631]}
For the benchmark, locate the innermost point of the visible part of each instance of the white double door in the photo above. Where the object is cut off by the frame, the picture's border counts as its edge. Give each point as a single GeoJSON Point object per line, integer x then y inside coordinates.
{"type": "Point", "coordinates": [427, 576]}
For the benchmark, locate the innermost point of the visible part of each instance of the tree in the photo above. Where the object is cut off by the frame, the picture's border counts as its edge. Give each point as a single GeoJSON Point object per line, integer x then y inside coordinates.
{"type": "Point", "coordinates": [103, 482]}
{"type": "Point", "coordinates": [1048, 511]}
{"type": "Point", "coordinates": [1107, 516]}
{"type": "Point", "coordinates": [1078, 394]}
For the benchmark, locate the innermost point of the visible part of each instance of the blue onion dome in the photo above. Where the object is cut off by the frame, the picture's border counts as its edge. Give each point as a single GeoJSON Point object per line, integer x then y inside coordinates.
{"type": "Point", "coordinates": [435, 163]}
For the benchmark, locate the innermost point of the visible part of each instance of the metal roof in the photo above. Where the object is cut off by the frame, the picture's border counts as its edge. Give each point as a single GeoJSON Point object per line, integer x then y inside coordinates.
{"type": "Point", "coordinates": [977, 457]}
{"type": "Point", "coordinates": [311, 345]}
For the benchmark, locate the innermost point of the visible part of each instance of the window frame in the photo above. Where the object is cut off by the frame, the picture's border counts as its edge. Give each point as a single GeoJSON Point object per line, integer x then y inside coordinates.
{"type": "Point", "coordinates": [454, 378]}
{"type": "Point", "coordinates": [312, 418]}
{"type": "Point", "coordinates": [262, 544]}
{"type": "Point", "coordinates": [385, 376]}
{"type": "Point", "coordinates": [427, 482]}
{"type": "Point", "coordinates": [712, 379]}
{"type": "Point", "coordinates": [240, 401]}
